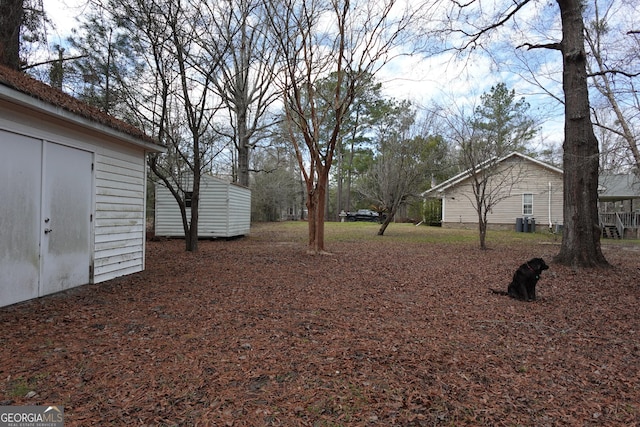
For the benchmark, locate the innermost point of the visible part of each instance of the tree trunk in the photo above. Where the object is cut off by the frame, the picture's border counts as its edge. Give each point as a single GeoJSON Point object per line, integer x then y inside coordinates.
{"type": "Point", "coordinates": [191, 239]}
{"type": "Point", "coordinates": [243, 163]}
{"type": "Point", "coordinates": [340, 178]}
{"type": "Point", "coordinates": [11, 13]}
{"type": "Point", "coordinates": [243, 148]}
{"type": "Point", "coordinates": [482, 228]}
{"type": "Point", "coordinates": [387, 221]}
{"type": "Point", "coordinates": [347, 205]}
{"type": "Point", "coordinates": [321, 200]}
{"type": "Point", "coordinates": [581, 235]}
{"type": "Point", "coordinates": [311, 214]}
{"type": "Point", "coordinates": [320, 208]}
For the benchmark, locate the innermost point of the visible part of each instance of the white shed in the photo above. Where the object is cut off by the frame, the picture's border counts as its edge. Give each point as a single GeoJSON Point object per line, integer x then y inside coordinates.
{"type": "Point", "coordinates": [72, 192]}
{"type": "Point", "coordinates": [225, 210]}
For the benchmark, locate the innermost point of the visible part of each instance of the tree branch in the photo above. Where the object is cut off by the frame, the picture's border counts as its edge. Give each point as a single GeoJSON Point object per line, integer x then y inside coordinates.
{"type": "Point", "coordinates": [529, 46]}
{"type": "Point", "coordinates": [51, 61]}
{"type": "Point", "coordinates": [509, 14]}
{"type": "Point", "coordinates": [614, 72]}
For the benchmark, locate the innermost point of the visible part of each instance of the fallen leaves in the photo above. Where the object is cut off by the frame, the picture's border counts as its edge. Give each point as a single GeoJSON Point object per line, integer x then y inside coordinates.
{"type": "Point", "coordinates": [256, 332]}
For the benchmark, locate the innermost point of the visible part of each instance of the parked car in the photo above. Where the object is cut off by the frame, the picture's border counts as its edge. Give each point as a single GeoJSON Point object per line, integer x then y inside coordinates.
{"type": "Point", "coordinates": [364, 215]}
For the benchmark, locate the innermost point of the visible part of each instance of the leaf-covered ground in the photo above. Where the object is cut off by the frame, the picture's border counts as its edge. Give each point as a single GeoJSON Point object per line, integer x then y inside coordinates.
{"type": "Point", "coordinates": [385, 331]}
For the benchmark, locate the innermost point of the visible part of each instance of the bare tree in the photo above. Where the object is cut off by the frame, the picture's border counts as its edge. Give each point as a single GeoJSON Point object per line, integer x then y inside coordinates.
{"type": "Point", "coordinates": [176, 103]}
{"type": "Point", "coordinates": [236, 37]}
{"type": "Point", "coordinates": [612, 73]}
{"type": "Point", "coordinates": [348, 39]}
{"type": "Point", "coordinates": [405, 156]}
{"type": "Point", "coordinates": [581, 234]}
{"type": "Point", "coordinates": [492, 181]}
{"type": "Point", "coordinates": [491, 178]}
{"type": "Point", "coordinates": [485, 141]}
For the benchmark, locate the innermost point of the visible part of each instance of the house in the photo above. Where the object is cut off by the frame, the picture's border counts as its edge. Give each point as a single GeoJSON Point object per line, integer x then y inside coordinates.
{"type": "Point", "coordinates": [72, 188]}
{"type": "Point", "coordinates": [224, 210]}
{"type": "Point", "coordinates": [524, 187]}
{"type": "Point", "coordinates": [619, 205]}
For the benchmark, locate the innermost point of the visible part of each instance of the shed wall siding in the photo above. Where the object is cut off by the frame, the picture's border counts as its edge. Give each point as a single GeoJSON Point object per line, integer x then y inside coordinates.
{"type": "Point", "coordinates": [458, 207]}
{"type": "Point", "coordinates": [239, 210]}
{"type": "Point", "coordinates": [119, 215]}
{"type": "Point", "coordinates": [225, 210]}
{"type": "Point", "coordinates": [214, 214]}
{"type": "Point", "coordinates": [168, 221]}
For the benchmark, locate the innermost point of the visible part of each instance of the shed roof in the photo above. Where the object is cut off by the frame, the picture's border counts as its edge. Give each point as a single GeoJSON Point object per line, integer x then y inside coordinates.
{"type": "Point", "coordinates": [451, 182]}
{"type": "Point", "coordinates": [18, 87]}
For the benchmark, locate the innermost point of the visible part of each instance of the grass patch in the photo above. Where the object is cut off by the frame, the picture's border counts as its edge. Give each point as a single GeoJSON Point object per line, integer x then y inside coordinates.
{"type": "Point", "coordinates": [296, 231]}
{"type": "Point", "coordinates": [18, 387]}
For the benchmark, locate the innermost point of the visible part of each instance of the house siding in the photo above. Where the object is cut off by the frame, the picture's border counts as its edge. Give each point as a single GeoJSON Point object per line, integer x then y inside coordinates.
{"type": "Point", "coordinates": [545, 185]}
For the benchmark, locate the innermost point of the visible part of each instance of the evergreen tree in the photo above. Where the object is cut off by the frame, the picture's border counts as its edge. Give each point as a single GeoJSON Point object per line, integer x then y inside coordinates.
{"type": "Point", "coordinates": [502, 122]}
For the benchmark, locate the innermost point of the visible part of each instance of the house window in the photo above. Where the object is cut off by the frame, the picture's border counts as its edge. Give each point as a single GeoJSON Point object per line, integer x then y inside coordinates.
{"type": "Point", "coordinates": [187, 198]}
{"type": "Point", "coordinates": [527, 204]}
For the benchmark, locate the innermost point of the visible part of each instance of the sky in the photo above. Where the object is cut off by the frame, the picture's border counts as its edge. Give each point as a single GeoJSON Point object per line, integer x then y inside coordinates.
{"type": "Point", "coordinates": [442, 79]}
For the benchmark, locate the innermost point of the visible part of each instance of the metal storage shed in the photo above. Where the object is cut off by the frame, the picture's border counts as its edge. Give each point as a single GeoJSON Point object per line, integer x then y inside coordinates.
{"type": "Point", "coordinates": [225, 210]}
{"type": "Point", "coordinates": [72, 191]}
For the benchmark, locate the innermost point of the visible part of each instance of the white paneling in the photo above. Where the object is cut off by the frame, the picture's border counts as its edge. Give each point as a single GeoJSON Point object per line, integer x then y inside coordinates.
{"type": "Point", "coordinates": [225, 210]}
{"type": "Point", "coordinates": [119, 218]}
{"type": "Point", "coordinates": [20, 198]}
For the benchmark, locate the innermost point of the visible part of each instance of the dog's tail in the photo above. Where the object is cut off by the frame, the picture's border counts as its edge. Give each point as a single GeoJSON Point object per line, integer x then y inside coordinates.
{"type": "Point", "coordinates": [495, 291]}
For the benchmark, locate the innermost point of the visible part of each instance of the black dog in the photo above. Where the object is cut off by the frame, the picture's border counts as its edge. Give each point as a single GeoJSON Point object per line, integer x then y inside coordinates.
{"type": "Point", "coordinates": [523, 285]}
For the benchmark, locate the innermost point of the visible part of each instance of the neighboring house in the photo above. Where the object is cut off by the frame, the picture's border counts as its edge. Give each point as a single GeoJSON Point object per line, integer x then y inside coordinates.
{"type": "Point", "coordinates": [224, 210]}
{"type": "Point", "coordinates": [536, 192]}
{"type": "Point", "coordinates": [72, 191]}
{"type": "Point", "coordinates": [619, 205]}
{"type": "Point", "coordinates": [529, 189]}
{"type": "Point", "coordinates": [618, 192]}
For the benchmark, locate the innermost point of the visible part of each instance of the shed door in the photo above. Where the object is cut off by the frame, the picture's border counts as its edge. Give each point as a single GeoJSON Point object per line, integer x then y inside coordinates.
{"type": "Point", "coordinates": [66, 218]}
{"type": "Point", "coordinates": [45, 217]}
{"type": "Point", "coordinates": [20, 198]}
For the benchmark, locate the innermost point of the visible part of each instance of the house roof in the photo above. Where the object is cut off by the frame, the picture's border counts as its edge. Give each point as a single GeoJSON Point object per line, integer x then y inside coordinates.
{"type": "Point", "coordinates": [451, 182]}
{"type": "Point", "coordinates": [17, 87]}
{"type": "Point", "coordinates": [613, 187]}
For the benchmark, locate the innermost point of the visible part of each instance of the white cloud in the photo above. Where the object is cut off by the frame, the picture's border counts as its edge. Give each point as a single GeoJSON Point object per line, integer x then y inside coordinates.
{"type": "Point", "coordinates": [422, 80]}
{"type": "Point", "coordinates": [64, 14]}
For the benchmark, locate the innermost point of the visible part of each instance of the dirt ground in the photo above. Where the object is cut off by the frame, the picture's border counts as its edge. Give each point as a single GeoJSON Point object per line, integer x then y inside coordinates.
{"type": "Point", "coordinates": [256, 332]}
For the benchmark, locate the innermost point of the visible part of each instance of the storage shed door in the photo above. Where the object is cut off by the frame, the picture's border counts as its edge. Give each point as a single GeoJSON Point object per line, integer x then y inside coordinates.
{"type": "Point", "coordinates": [20, 194]}
{"type": "Point", "coordinates": [66, 213]}
{"type": "Point", "coordinates": [45, 211]}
